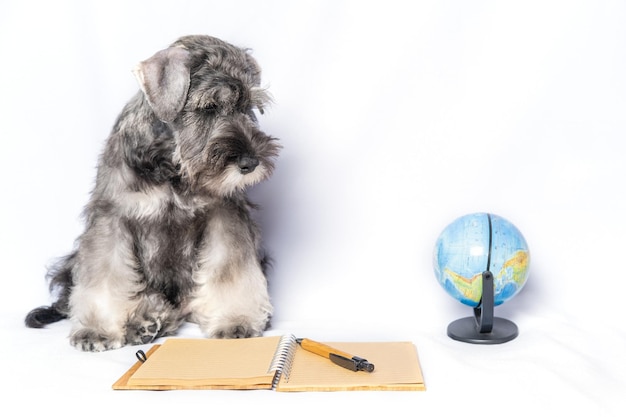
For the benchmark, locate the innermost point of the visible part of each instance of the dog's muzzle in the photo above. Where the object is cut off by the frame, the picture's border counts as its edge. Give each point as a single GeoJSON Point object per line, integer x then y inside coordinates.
{"type": "Point", "coordinates": [247, 164]}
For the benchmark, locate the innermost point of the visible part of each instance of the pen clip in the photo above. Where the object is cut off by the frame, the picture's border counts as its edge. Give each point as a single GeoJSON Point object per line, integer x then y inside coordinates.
{"type": "Point", "coordinates": [343, 362]}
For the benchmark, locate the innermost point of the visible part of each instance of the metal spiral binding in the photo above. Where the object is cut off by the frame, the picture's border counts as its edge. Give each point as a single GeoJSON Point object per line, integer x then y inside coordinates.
{"type": "Point", "coordinates": [283, 358]}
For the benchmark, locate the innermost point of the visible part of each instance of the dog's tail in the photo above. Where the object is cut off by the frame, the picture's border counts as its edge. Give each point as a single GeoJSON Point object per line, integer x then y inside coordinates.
{"type": "Point", "coordinates": [61, 282]}
{"type": "Point", "coordinates": [41, 316]}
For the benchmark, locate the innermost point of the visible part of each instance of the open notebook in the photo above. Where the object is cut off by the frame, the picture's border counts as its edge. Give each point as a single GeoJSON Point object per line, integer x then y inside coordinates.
{"type": "Point", "coordinates": [276, 362]}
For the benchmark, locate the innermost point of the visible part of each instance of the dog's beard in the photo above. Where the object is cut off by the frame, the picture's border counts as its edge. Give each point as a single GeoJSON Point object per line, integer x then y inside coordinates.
{"type": "Point", "coordinates": [234, 155]}
{"type": "Point", "coordinates": [232, 180]}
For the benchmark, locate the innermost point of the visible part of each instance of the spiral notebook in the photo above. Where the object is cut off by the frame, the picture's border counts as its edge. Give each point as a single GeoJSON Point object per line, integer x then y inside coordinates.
{"type": "Point", "coordinates": [275, 362]}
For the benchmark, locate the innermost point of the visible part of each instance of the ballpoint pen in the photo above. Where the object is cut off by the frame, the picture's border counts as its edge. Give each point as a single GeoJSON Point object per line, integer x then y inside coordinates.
{"type": "Point", "coordinates": [343, 359]}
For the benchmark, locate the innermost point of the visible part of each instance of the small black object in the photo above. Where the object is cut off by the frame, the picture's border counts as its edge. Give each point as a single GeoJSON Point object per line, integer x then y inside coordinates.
{"type": "Point", "coordinates": [141, 355]}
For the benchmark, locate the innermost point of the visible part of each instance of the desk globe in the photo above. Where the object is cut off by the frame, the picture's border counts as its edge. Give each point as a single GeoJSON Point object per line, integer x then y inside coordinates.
{"type": "Point", "coordinates": [481, 260]}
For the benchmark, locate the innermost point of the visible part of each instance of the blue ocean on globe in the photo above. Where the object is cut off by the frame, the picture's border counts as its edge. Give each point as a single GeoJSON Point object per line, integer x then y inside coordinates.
{"type": "Point", "coordinates": [476, 243]}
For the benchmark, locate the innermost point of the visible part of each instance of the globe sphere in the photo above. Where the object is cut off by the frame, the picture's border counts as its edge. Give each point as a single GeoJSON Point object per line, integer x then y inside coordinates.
{"type": "Point", "coordinates": [473, 244]}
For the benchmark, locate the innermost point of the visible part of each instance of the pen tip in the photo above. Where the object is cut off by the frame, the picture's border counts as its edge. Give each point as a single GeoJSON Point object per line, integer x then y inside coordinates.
{"type": "Point", "coordinates": [369, 367]}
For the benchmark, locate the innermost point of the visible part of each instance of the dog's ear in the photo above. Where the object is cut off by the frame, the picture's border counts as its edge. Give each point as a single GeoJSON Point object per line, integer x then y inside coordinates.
{"type": "Point", "coordinates": [164, 79]}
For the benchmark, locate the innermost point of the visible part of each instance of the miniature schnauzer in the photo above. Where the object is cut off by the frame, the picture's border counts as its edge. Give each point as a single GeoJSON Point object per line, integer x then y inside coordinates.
{"type": "Point", "coordinates": [169, 233]}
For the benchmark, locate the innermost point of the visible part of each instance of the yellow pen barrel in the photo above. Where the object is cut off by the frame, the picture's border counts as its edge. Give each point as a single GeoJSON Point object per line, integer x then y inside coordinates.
{"type": "Point", "coordinates": [322, 349]}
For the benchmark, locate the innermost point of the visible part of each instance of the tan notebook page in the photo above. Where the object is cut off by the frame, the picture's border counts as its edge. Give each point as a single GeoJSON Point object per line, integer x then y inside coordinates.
{"type": "Point", "coordinates": [396, 364]}
{"type": "Point", "coordinates": [209, 363]}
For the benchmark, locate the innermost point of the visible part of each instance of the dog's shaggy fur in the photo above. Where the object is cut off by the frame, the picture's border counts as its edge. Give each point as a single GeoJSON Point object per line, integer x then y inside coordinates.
{"type": "Point", "coordinates": [169, 235]}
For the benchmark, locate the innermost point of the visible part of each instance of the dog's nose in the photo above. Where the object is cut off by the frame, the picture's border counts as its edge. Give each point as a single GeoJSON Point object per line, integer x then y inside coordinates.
{"type": "Point", "coordinates": [247, 164]}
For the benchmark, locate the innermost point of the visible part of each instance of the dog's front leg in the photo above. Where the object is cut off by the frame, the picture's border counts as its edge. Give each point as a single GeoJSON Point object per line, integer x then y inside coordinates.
{"type": "Point", "coordinates": [105, 284]}
{"type": "Point", "coordinates": [231, 298]}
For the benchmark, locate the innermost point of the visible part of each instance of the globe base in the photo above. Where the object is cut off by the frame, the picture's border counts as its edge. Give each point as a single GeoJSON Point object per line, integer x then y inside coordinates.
{"type": "Point", "coordinates": [467, 330]}
{"type": "Point", "coordinates": [484, 328]}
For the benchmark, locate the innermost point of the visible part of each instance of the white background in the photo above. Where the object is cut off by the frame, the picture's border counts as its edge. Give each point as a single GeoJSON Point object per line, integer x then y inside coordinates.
{"type": "Point", "coordinates": [396, 117]}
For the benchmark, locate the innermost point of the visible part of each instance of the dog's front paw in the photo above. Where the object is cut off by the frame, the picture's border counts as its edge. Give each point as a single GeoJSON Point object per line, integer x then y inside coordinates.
{"type": "Point", "coordinates": [238, 328]}
{"type": "Point", "coordinates": [235, 332]}
{"type": "Point", "coordinates": [153, 318]}
{"type": "Point", "coordinates": [89, 340]}
{"type": "Point", "coordinates": [140, 332]}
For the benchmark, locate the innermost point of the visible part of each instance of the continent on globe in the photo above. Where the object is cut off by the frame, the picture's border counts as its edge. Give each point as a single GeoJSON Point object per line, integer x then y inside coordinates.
{"type": "Point", "coordinates": [476, 243]}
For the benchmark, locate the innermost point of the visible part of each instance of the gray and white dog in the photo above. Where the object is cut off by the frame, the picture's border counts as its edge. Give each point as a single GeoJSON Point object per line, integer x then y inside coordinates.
{"type": "Point", "coordinates": [169, 233]}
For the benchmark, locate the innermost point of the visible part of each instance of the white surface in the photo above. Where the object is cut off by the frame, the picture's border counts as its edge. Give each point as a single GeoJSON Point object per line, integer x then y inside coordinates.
{"type": "Point", "coordinates": [395, 120]}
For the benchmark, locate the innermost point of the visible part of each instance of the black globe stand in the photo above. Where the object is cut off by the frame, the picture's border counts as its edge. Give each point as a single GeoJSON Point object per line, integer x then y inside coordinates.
{"type": "Point", "coordinates": [484, 328]}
